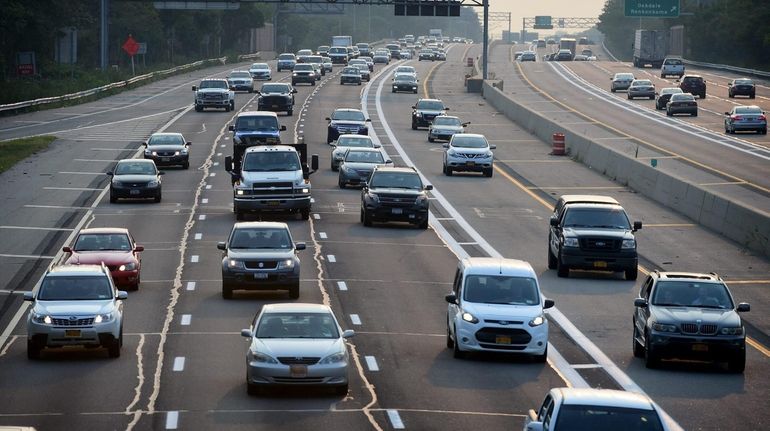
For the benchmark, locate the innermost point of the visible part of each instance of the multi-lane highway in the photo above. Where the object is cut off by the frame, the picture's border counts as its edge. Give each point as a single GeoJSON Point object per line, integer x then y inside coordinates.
{"type": "Point", "coordinates": [183, 361]}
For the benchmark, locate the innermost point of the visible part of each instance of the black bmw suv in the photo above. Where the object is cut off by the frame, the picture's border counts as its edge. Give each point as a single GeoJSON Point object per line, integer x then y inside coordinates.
{"type": "Point", "coordinates": [276, 97]}
{"type": "Point", "coordinates": [395, 194]}
{"type": "Point", "coordinates": [694, 85]}
{"type": "Point", "coordinates": [680, 315]}
{"type": "Point", "coordinates": [346, 121]}
{"type": "Point", "coordinates": [425, 111]}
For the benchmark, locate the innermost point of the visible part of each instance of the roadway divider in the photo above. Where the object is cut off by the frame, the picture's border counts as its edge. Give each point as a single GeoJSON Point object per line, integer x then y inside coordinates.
{"type": "Point", "coordinates": [748, 226]}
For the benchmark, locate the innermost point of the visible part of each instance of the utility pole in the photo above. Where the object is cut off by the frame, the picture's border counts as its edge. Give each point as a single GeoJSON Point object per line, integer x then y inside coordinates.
{"type": "Point", "coordinates": [104, 33]}
{"type": "Point", "coordinates": [485, 49]}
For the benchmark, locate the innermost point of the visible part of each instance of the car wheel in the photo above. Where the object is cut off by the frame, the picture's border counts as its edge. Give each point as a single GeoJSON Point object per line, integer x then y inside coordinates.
{"type": "Point", "coordinates": [542, 358]}
{"type": "Point", "coordinates": [551, 257]}
{"type": "Point", "coordinates": [113, 199]}
{"type": "Point", "coordinates": [305, 213]}
{"type": "Point", "coordinates": [394, 90]}
{"type": "Point", "coordinates": [450, 343]}
{"type": "Point", "coordinates": [157, 197]}
{"type": "Point", "coordinates": [341, 83]}
{"type": "Point", "coordinates": [290, 112]}
{"type": "Point", "coordinates": [695, 114]}
{"type": "Point", "coordinates": [423, 224]}
{"type": "Point", "coordinates": [359, 82]}
{"type": "Point", "coordinates": [752, 95]}
{"type": "Point", "coordinates": [737, 363]}
{"type": "Point", "coordinates": [33, 350]}
{"type": "Point", "coordinates": [638, 349]}
{"type": "Point", "coordinates": [366, 218]}
{"type": "Point", "coordinates": [650, 358]}
{"type": "Point", "coordinates": [414, 125]}
{"type": "Point", "coordinates": [313, 83]}
{"type": "Point", "coordinates": [227, 290]}
{"type": "Point", "coordinates": [764, 131]}
{"type": "Point", "coordinates": [334, 167]}
{"type": "Point", "coordinates": [415, 91]}
{"type": "Point", "coordinates": [114, 348]}
{"type": "Point", "coordinates": [668, 113]}
{"type": "Point", "coordinates": [562, 270]}
{"type": "Point", "coordinates": [198, 108]}
{"type": "Point", "coordinates": [488, 172]}
{"type": "Point", "coordinates": [186, 165]}
{"type": "Point", "coordinates": [631, 273]}
{"type": "Point", "coordinates": [430, 139]}
{"type": "Point", "coordinates": [703, 95]}
{"type": "Point", "coordinates": [294, 291]}
{"type": "Point", "coordinates": [341, 183]}
{"type": "Point", "coordinates": [456, 351]}
{"type": "Point", "coordinates": [730, 95]}
{"type": "Point", "coordinates": [612, 90]}
{"type": "Point", "coordinates": [628, 97]}
{"type": "Point", "coordinates": [239, 215]}
{"type": "Point", "coordinates": [341, 390]}
{"type": "Point", "coordinates": [727, 129]}
{"type": "Point", "coordinates": [449, 171]}
{"type": "Point", "coordinates": [652, 97]}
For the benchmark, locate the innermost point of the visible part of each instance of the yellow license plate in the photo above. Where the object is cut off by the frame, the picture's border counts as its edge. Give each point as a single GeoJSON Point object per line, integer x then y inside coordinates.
{"type": "Point", "coordinates": [470, 163]}
{"type": "Point", "coordinates": [600, 264]}
{"type": "Point", "coordinates": [700, 348]}
{"type": "Point", "coordinates": [74, 333]}
{"type": "Point", "coordinates": [298, 370]}
{"type": "Point", "coordinates": [273, 203]}
{"type": "Point", "coordinates": [500, 339]}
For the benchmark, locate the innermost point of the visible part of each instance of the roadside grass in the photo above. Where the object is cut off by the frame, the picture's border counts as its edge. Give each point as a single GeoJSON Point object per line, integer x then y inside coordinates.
{"type": "Point", "coordinates": [15, 150]}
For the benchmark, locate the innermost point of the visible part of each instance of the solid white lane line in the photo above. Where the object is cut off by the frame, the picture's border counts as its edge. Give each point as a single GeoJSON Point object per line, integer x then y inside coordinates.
{"type": "Point", "coordinates": [198, 235]}
{"type": "Point", "coordinates": [355, 319]}
{"type": "Point", "coordinates": [194, 258]}
{"type": "Point", "coordinates": [395, 419]}
{"type": "Point", "coordinates": [55, 229]}
{"type": "Point", "coordinates": [81, 173]}
{"type": "Point", "coordinates": [179, 363]}
{"type": "Point", "coordinates": [342, 285]}
{"type": "Point", "coordinates": [186, 318]}
{"type": "Point", "coordinates": [322, 235]}
{"type": "Point", "coordinates": [172, 420]}
{"type": "Point", "coordinates": [371, 362]}
{"type": "Point", "coordinates": [331, 258]}
{"type": "Point", "coordinates": [190, 285]}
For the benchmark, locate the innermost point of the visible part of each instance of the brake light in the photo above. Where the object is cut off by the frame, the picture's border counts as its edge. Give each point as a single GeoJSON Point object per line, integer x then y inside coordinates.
{"type": "Point", "coordinates": [763, 118]}
{"type": "Point", "coordinates": [736, 117]}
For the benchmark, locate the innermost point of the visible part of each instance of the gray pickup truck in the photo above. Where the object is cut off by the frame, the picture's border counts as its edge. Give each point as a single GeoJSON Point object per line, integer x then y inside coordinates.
{"type": "Point", "coordinates": [214, 93]}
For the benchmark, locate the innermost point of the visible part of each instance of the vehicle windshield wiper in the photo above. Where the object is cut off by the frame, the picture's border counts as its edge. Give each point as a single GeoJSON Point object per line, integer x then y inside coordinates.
{"type": "Point", "coordinates": [608, 226]}
{"type": "Point", "coordinates": [578, 225]}
{"type": "Point", "coordinates": [664, 304]}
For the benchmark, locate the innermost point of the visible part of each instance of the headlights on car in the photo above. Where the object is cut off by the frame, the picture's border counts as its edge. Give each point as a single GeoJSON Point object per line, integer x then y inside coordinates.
{"type": "Point", "coordinates": [127, 267]}
{"type": "Point", "coordinates": [468, 317]}
{"type": "Point", "coordinates": [628, 244]}
{"type": "Point", "coordinates": [373, 196]}
{"type": "Point", "coordinates": [422, 200]}
{"type": "Point", "coordinates": [235, 264]}
{"type": "Point", "coordinates": [153, 183]}
{"type": "Point", "coordinates": [286, 264]}
{"type": "Point", "coordinates": [334, 358]}
{"type": "Point", "coordinates": [42, 318]}
{"type": "Point", "coordinates": [570, 242]}
{"type": "Point", "coordinates": [662, 327]}
{"type": "Point", "coordinates": [732, 331]}
{"type": "Point", "coordinates": [261, 357]}
{"type": "Point", "coordinates": [537, 321]}
{"type": "Point", "coordinates": [102, 318]}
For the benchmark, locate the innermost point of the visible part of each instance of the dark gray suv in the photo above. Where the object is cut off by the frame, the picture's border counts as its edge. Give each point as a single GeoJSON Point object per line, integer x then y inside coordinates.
{"type": "Point", "coordinates": [395, 194]}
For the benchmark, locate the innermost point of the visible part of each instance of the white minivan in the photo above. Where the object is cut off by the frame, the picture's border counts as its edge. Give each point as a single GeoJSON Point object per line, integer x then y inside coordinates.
{"type": "Point", "coordinates": [496, 306]}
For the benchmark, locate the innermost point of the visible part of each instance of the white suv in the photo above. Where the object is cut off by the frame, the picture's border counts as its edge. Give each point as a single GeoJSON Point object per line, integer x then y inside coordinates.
{"type": "Point", "coordinates": [496, 306]}
{"type": "Point", "coordinates": [75, 305]}
{"type": "Point", "coordinates": [468, 152]}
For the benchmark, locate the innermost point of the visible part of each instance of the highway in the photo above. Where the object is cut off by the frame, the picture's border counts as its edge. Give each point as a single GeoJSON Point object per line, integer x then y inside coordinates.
{"type": "Point", "coordinates": [183, 361]}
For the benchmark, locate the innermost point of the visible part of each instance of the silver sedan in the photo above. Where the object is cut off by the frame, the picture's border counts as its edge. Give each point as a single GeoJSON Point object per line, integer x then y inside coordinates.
{"type": "Point", "coordinates": [641, 88]}
{"type": "Point", "coordinates": [621, 81]}
{"type": "Point", "coordinates": [296, 344]}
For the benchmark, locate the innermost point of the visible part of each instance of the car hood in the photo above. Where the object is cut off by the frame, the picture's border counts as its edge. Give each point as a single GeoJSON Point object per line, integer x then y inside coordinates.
{"type": "Point", "coordinates": [694, 314]}
{"type": "Point", "coordinates": [97, 257]}
{"type": "Point", "coordinates": [266, 253]}
{"type": "Point", "coordinates": [505, 312]}
{"type": "Point", "coordinates": [298, 347]}
{"type": "Point", "coordinates": [347, 122]}
{"type": "Point", "coordinates": [274, 94]}
{"type": "Point", "coordinates": [446, 128]}
{"type": "Point", "coordinates": [429, 112]}
{"type": "Point", "coordinates": [74, 308]}
{"type": "Point", "coordinates": [165, 147]}
{"type": "Point", "coordinates": [396, 191]}
{"type": "Point", "coordinates": [597, 232]}
{"type": "Point", "coordinates": [362, 165]}
{"type": "Point", "coordinates": [273, 176]}
{"type": "Point", "coordinates": [134, 178]}
{"type": "Point", "coordinates": [212, 90]}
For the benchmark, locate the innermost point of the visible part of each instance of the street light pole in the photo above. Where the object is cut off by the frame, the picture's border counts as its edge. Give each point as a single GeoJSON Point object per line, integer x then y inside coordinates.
{"type": "Point", "coordinates": [485, 46]}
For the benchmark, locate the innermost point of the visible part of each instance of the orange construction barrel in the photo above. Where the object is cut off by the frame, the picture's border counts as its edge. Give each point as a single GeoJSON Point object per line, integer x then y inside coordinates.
{"type": "Point", "coordinates": [558, 144]}
{"type": "Point", "coordinates": [469, 62]}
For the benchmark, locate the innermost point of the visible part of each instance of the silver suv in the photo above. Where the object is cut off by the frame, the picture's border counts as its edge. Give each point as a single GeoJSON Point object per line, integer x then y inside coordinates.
{"type": "Point", "coordinates": [75, 305]}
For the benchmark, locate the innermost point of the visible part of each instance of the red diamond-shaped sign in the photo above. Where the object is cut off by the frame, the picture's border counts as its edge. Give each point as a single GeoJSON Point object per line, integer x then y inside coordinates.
{"type": "Point", "coordinates": [130, 46]}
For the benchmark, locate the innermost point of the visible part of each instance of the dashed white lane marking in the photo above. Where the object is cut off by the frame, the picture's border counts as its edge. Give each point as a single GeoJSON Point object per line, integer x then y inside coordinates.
{"type": "Point", "coordinates": [179, 363]}
{"type": "Point", "coordinates": [198, 235]}
{"type": "Point", "coordinates": [190, 285]}
{"type": "Point", "coordinates": [312, 200]}
{"type": "Point", "coordinates": [172, 420]}
{"type": "Point", "coordinates": [194, 258]}
{"type": "Point", "coordinates": [219, 154]}
{"type": "Point", "coordinates": [317, 216]}
{"type": "Point", "coordinates": [355, 319]}
{"type": "Point", "coordinates": [213, 174]}
{"type": "Point", "coordinates": [204, 201]}
{"type": "Point", "coordinates": [186, 318]}
{"type": "Point", "coordinates": [216, 163]}
{"type": "Point", "coordinates": [208, 186]}
{"type": "Point", "coordinates": [322, 235]}
{"type": "Point", "coordinates": [342, 285]}
{"type": "Point", "coordinates": [223, 145]}
{"type": "Point", "coordinates": [395, 419]}
{"type": "Point", "coordinates": [81, 173]}
{"type": "Point", "coordinates": [331, 258]}
{"type": "Point", "coordinates": [202, 217]}
{"type": "Point", "coordinates": [371, 362]}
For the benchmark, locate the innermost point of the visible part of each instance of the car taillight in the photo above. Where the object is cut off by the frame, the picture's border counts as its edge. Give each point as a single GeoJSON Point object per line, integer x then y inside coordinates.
{"type": "Point", "coordinates": [736, 117]}
{"type": "Point", "coordinates": [763, 118]}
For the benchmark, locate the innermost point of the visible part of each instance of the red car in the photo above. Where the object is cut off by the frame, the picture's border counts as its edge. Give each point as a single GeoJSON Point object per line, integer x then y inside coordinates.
{"type": "Point", "coordinates": [113, 246]}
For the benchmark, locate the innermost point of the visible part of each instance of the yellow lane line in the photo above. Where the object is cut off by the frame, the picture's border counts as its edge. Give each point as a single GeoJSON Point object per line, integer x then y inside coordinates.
{"type": "Point", "coordinates": [524, 188]}
{"type": "Point", "coordinates": [755, 344]}
{"type": "Point", "coordinates": [649, 144]}
{"type": "Point", "coordinates": [427, 78]}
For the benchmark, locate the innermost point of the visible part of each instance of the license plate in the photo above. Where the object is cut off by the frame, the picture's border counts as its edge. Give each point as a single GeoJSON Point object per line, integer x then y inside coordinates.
{"type": "Point", "coordinates": [275, 106]}
{"type": "Point", "coordinates": [600, 264]}
{"type": "Point", "coordinates": [165, 159]}
{"type": "Point", "coordinates": [260, 276]}
{"type": "Point", "coordinates": [397, 211]}
{"type": "Point", "coordinates": [298, 370]}
{"type": "Point", "coordinates": [73, 333]}
{"type": "Point", "coordinates": [274, 203]}
{"type": "Point", "coordinates": [501, 339]}
{"type": "Point", "coordinates": [134, 192]}
{"type": "Point", "coordinates": [700, 348]}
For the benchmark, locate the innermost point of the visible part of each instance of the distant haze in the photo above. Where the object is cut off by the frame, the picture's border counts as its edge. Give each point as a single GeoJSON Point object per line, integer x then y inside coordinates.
{"type": "Point", "coordinates": [530, 8]}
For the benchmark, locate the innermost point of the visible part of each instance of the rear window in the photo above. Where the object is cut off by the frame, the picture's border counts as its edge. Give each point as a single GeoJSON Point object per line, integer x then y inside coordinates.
{"type": "Point", "coordinates": [748, 110]}
{"type": "Point", "coordinates": [744, 82]}
{"type": "Point", "coordinates": [672, 62]}
{"type": "Point", "coordinates": [693, 79]}
{"type": "Point", "coordinates": [682, 97]}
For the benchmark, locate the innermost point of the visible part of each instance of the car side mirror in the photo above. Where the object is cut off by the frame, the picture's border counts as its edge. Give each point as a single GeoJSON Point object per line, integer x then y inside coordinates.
{"type": "Point", "coordinates": [493, 147]}
{"type": "Point", "coordinates": [139, 248]}
{"type": "Point", "coordinates": [534, 426]}
{"type": "Point", "coordinates": [161, 172]}
{"type": "Point", "coordinates": [414, 106]}
{"type": "Point", "coordinates": [122, 294]}
{"type": "Point", "coordinates": [29, 296]}
{"type": "Point", "coordinates": [231, 128]}
{"type": "Point", "coordinates": [188, 143]}
{"type": "Point", "coordinates": [246, 333]}
{"type": "Point", "coordinates": [144, 144]}
{"type": "Point", "coordinates": [368, 120]}
{"type": "Point", "coordinates": [222, 246]}
{"type": "Point", "coordinates": [637, 225]}
{"type": "Point", "coordinates": [109, 174]}
{"type": "Point", "coordinates": [348, 333]}
{"type": "Point", "coordinates": [640, 302]}
{"type": "Point", "coordinates": [446, 109]}
{"type": "Point", "coordinates": [743, 307]}
{"type": "Point", "coordinates": [66, 249]}
{"type": "Point", "coordinates": [314, 162]}
{"type": "Point", "coordinates": [229, 163]}
{"type": "Point", "coordinates": [388, 162]}
{"type": "Point", "coordinates": [548, 303]}
{"type": "Point", "coordinates": [727, 113]}
{"type": "Point", "coordinates": [194, 88]}
{"type": "Point", "coordinates": [328, 119]}
{"type": "Point", "coordinates": [300, 246]}
{"type": "Point", "coordinates": [445, 145]}
{"type": "Point", "coordinates": [429, 187]}
{"type": "Point", "coordinates": [554, 221]}
{"type": "Point", "coordinates": [377, 145]}
{"type": "Point", "coordinates": [451, 298]}
{"type": "Point", "coordinates": [283, 128]}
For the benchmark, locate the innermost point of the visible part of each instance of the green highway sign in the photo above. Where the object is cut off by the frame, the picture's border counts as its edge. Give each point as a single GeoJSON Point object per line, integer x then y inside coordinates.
{"type": "Point", "coordinates": [652, 8]}
{"type": "Point", "coordinates": [543, 22]}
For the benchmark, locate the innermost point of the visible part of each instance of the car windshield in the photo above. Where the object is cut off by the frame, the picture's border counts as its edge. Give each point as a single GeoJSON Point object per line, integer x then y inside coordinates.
{"type": "Point", "coordinates": [102, 241]}
{"type": "Point", "coordinates": [362, 67]}
{"type": "Point", "coordinates": [338, 50]}
{"type": "Point", "coordinates": [748, 110]}
{"type": "Point", "coordinates": [271, 161]}
{"type": "Point", "coordinates": [314, 59]}
{"type": "Point", "coordinates": [260, 66]}
{"type": "Point", "coordinates": [286, 57]}
{"type": "Point", "coordinates": [431, 105]}
{"type": "Point", "coordinates": [351, 71]}
{"type": "Point", "coordinates": [214, 84]}
{"type": "Point", "coordinates": [610, 218]}
{"type": "Point", "coordinates": [364, 157]}
{"type": "Point", "coordinates": [744, 82]}
{"type": "Point", "coordinates": [349, 115]}
{"type": "Point", "coordinates": [297, 325]}
{"type": "Point", "coordinates": [692, 294]}
{"type": "Point", "coordinates": [355, 141]}
{"type": "Point", "coordinates": [405, 69]}
{"type": "Point", "coordinates": [396, 180]}
{"type": "Point", "coordinates": [260, 237]}
{"type": "Point", "coordinates": [501, 289]}
{"type": "Point", "coordinates": [274, 88]}
{"type": "Point", "coordinates": [601, 418]}
{"type": "Point", "coordinates": [405, 78]}
{"type": "Point", "coordinates": [240, 75]}
{"type": "Point", "coordinates": [465, 141]}
{"type": "Point", "coordinates": [303, 67]}
{"type": "Point", "coordinates": [446, 121]}
{"type": "Point", "coordinates": [74, 288]}
{"type": "Point", "coordinates": [135, 168]}
{"type": "Point", "coordinates": [165, 140]}
{"type": "Point", "coordinates": [256, 124]}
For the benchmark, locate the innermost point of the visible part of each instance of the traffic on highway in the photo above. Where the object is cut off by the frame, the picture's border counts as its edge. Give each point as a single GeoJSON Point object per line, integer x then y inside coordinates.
{"type": "Point", "coordinates": [345, 237]}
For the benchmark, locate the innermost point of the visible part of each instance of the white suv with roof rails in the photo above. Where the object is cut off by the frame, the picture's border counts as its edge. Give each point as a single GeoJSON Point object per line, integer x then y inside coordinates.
{"type": "Point", "coordinates": [496, 306]}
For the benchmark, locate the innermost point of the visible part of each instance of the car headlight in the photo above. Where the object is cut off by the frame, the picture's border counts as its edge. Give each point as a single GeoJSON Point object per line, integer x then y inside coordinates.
{"type": "Point", "coordinates": [395, 86]}
{"type": "Point", "coordinates": [537, 321]}
{"type": "Point", "coordinates": [100, 318]}
{"type": "Point", "coordinates": [148, 152]}
{"type": "Point", "coordinates": [261, 357]}
{"type": "Point", "coordinates": [628, 244]}
{"type": "Point", "coordinates": [286, 264]}
{"type": "Point", "coordinates": [127, 267]}
{"type": "Point", "coordinates": [489, 155]}
{"type": "Point", "coordinates": [185, 150]}
{"type": "Point", "coordinates": [305, 191]}
{"type": "Point", "coordinates": [235, 263]}
{"type": "Point", "coordinates": [418, 114]}
{"type": "Point", "coordinates": [732, 331]}
{"type": "Point", "coordinates": [240, 192]}
{"type": "Point", "coordinates": [176, 153]}
{"type": "Point", "coordinates": [153, 183]}
{"type": "Point", "coordinates": [42, 318]}
{"type": "Point", "coordinates": [662, 327]}
{"type": "Point", "coordinates": [334, 358]}
{"type": "Point", "coordinates": [468, 317]}
{"type": "Point", "coordinates": [570, 242]}
{"type": "Point", "coordinates": [373, 197]}
{"type": "Point", "coordinates": [294, 74]}
{"type": "Point", "coordinates": [422, 200]}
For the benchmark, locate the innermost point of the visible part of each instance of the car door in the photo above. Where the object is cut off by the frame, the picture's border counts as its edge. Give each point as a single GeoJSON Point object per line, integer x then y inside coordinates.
{"type": "Point", "coordinates": [454, 310]}
{"type": "Point", "coordinates": [545, 414]}
{"type": "Point", "coordinates": [643, 313]}
{"type": "Point", "coordinates": [555, 235]}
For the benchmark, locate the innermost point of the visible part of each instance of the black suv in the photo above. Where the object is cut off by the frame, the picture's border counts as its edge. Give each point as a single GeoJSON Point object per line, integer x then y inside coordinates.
{"type": "Point", "coordinates": [688, 316]}
{"type": "Point", "coordinates": [592, 232]}
{"type": "Point", "coordinates": [346, 121]}
{"type": "Point", "coordinates": [276, 97]}
{"type": "Point", "coordinates": [693, 84]}
{"type": "Point", "coordinates": [425, 111]}
{"type": "Point", "coordinates": [303, 72]}
{"type": "Point", "coordinates": [395, 194]}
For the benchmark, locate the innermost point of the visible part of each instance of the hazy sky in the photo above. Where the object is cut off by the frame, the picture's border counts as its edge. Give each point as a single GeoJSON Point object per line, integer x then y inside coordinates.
{"type": "Point", "coordinates": [530, 8]}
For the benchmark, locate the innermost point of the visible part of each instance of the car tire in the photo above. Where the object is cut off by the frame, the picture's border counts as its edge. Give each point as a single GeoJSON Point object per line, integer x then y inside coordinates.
{"type": "Point", "coordinates": [612, 90]}
{"type": "Point", "coordinates": [341, 183]}
{"type": "Point", "coordinates": [651, 360]}
{"type": "Point", "coordinates": [341, 390]}
{"type": "Point", "coordinates": [313, 83]}
{"type": "Point", "coordinates": [393, 91]}
{"type": "Point", "coordinates": [33, 350]}
{"type": "Point", "coordinates": [294, 291]}
{"type": "Point", "coordinates": [341, 83]}
{"type": "Point", "coordinates": [113, 198]}
{"type": "Point", "coordinates": [239, 215]}
{"type": "Point", "coordinates": [290, 112]}
{"type": "Point", "coordinates": [423, 225]}
{"type": "Point", "coordinates": [562, 270]}
{"type": "Point", "coordinates": [551, 257]}
{"type": "Point", "coordinates": [449, 171]}
{"type": "Point", "coordinates": [542, 358]}
{"type": "Point", "coordinates": [668, 113]}
{"type": "Point", "coordinates": [414, 125]}
{"type": "Point", "coordinates": [227, 290]}
{"type": "Point", "coordinates": [637, 348]}
{"type": "Point", "coordinates": [631, 273]}
{"type": "Point", "coordinates": [358, 83]}
{"type": "Point", "coordinates": [113, 350]}
{"type": "Point", "coordinates": [703, 95]}
{"type": "Point", "coordinates": [450, 343]}
{"type": "Point", "coordinates": [727, 129]}
{"type": "Point", "coordinates": [157, 197]}
{"type": "Point", "coordinates": [186, 165]}
{"type": "Point", "coordinates": [694, 114]}
{"type": "Point", "coordinates": [334, 167]}
{"type": "Point", "coordinates": [431, 139]}
{"type": "Point", "coordinates": [366, 219]}
{"type": "Point", "coordinates": [198, 108]}
{"type": "Point", "coordinates": [737, 363]}
{"type": "Point", "coordinates": [730, 95]}
{"type": "Point", "coordinates": [629, 97]}
{"type": "Point", "coordinates": [752, 95]}
{"type": "Point", "coordinates": [305, 213]}
{"type": "Point", "coordinates": [456, 351]}
{"type": "Point", "coordinates": [415, 91]}
{"type": "Point", "coordinates": [488, 172]}
{"type": "Point", "coordinates": [652, 97]}
{"type": "Point", "coordinates": [763, 131]}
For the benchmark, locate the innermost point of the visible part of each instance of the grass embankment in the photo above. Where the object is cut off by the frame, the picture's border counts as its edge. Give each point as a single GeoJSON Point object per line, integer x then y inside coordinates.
{"type": "Point", "coordinates": [15, 150]}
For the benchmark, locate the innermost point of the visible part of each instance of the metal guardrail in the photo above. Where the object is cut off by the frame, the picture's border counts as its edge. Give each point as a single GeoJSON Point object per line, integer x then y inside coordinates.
{"type": "Point", "coordinates": [753, 72]}
{"type": "Point", "coordinates": [92, 91]}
